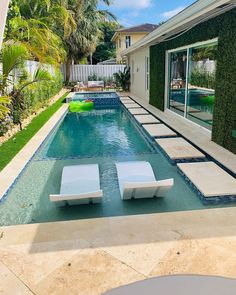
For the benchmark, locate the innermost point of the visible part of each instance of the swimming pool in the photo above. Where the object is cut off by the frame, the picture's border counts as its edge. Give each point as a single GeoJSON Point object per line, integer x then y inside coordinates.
{"type": "Point", "coordinates": [103, 136]}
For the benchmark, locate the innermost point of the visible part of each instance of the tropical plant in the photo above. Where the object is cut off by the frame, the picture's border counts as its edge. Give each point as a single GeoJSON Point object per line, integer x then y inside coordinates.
{"type": "Point", "coordinates": [17, 95]}
{"type": "Point", "coordinates": [4, 109]}
{"type": "Point", "coordinates": [123, 79]}
{"type": "Point", "coordinates": [12, 58]}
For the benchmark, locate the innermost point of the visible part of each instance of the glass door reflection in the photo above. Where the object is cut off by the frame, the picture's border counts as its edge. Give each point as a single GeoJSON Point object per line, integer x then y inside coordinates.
{"type": "Point", "coordinates": [177, 81]}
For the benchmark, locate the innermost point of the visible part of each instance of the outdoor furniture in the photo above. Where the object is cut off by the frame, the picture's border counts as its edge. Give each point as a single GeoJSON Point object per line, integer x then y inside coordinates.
{"type": "Point", "coordinates": [80, 184]}
{"type": "Point", "coordinates": [95, 85]}
{"type": "Point", "coordinates": [179, 285]}
{"type": "Point", "coordinates": [137, 180]}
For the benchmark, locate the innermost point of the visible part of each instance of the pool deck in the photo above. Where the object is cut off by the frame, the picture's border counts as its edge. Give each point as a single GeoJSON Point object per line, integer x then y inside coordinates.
{"type": "Point", "coordinates": [89, 257]}
{"type": "Point", "coordinates": [93, 256]}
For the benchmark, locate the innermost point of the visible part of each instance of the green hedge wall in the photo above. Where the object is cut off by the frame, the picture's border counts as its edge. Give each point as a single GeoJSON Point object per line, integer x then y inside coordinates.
{"type": "Point", "coordinates": [223, 27]}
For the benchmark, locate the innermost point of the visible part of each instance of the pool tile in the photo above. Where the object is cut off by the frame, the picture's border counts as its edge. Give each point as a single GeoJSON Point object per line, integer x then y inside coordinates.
{"type": "Point", "coordinates": [209, 179]}
{"type": "Point", "coordinates": [159, 130]}
{"type": "Point", "coordinates": [146, 119]}
{"type": "Point", "coordinates": [138, 111]}
{"type": "Point", "coordinates": [179, 148]}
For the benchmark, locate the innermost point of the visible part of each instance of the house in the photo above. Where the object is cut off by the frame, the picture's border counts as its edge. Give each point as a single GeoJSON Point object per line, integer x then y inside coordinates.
{"type": "Point", "coordinates": [126, 37]}
{"type": "Point", "coordinates": [187, 67]}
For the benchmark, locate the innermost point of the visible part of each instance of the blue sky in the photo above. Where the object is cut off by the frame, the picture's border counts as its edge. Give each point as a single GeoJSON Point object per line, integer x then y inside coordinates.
{"type": "Point", "coordinates": [133, 12]}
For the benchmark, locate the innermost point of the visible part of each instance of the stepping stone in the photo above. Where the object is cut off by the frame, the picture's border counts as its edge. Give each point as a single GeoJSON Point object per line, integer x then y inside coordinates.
{"type": "Point", "coordinates": [159, 130]}
{"type": "Point", "coordinates": [146, 119]}
{"type": "Point", "coordinates": [174, 103]}
{"type": "Point", "coordinates": [209, 179]}
{"type": "Point", "coordinates": [204, 116]}
{"type": "Point", "coordinates": [138, 111]}
{"type": "Point", "coordinates": [178, 148]}
{"type": "Point", "coordinates": [132, 105]}
{"type": "Point", "coordinates": [190, 109]}
{"type": "Point", "coordinates": [126, 100]}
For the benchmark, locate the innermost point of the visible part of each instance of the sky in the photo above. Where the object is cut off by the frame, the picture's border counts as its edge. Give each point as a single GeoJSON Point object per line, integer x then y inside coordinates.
{"type": "Point", "coordinates": [134, 12]}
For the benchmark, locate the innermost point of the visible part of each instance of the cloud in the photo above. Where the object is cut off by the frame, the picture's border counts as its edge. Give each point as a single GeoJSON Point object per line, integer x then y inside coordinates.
{"type": "Point", "coordinates": [135, 4]}
{"type": "Point", "coordinates": [170, 13]}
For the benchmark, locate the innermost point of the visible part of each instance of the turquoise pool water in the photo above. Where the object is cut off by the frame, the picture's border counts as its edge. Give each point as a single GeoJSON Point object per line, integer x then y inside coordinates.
{"type": "Point", "coordinates": [102, 137]}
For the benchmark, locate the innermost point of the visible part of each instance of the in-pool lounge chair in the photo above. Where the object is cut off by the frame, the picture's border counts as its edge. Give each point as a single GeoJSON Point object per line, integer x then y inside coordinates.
{"type": "Point", "coordinates": [137, 180]}
{"type": "Point", "coordinates": [80, 184]}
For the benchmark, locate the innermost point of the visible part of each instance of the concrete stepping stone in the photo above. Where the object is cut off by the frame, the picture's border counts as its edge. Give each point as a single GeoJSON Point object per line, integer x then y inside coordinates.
{"type": "Point", "coordinates": [178, 148]}
{"type": "Point", "coordinates": [138, 111]}
{"type": "Point", "coordinates": [132, 105]}
{"type": "Point", "coordinates": [126, 100]}
{"type": "Point", "coordinates": [209, 179]}
{"type": "Point", "coordinates": [159, 130]}
{"type": "Point", "coordinates": [146, 119]}
{"type": "Point", "coordinates": [204, 116]}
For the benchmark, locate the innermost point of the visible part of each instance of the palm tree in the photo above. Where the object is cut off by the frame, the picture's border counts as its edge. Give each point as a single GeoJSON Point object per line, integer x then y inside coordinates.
{"type": "Point", "coordinates": [84, 40]}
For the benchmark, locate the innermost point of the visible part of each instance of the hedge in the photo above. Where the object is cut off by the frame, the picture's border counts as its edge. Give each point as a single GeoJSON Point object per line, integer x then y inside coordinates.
{"type": "Point", "coordinates": [223, 27]}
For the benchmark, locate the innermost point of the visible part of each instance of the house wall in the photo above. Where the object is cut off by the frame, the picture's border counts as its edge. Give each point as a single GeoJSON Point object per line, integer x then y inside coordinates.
{"type": "Point", "coordinates": [135, 37]}
{"type": "Point", "coordinates": [138, 72]}
{"type": "Point", "coordinates": [224, 116]}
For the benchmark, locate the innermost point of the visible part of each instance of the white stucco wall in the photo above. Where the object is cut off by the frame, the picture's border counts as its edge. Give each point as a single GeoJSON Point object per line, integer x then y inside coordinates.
{"type": "Point", "coordinates": [3, 15]}
{"type": "Point", "coordinates": [137, 65]}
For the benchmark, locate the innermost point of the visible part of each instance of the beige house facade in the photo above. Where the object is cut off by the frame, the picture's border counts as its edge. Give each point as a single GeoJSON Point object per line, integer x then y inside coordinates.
{"type": "Point", "coordinates": [125, 38]}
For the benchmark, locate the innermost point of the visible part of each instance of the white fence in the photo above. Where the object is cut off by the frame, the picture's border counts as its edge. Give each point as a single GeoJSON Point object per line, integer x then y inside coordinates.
{"type": "Point", "coordinates": [82, 72]}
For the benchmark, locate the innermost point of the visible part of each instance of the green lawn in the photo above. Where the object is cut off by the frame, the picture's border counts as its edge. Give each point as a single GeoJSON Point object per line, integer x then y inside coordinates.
{"type": "Point", "coordinates": [11, 147]}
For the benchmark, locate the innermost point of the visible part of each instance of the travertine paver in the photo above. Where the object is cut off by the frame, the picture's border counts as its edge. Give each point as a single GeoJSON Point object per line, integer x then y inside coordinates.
{"type": "Point", "coordinates": [94, 255]}
{"type": "Point", "coordinates": [179, 148]}
{"type": "Point", "coordinates": [138, 111]}
{"type": "Point", "coordinates": [159, 130]}
{"type": "Point", "coordinates": [209, 178]}
{"type": "Point", "coordinates": [146, 119]}
{"type": "Point", "coordinates": [126, 100]}
{"type": "Point", "coordinates": [132, 105]}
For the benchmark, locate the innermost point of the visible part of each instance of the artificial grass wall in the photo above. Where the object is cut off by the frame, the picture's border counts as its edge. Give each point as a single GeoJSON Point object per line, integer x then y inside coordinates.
{"type": "Point", "coordinates": [223, 27]}
{"type": "Point", "coordinates": [11, 147]}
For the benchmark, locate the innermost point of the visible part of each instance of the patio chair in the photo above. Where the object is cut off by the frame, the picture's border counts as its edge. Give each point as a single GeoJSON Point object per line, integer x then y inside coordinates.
{"type": "Point", "coordinates": [80, 184]}
{"type": "Point", "coordinates": [137, 180]}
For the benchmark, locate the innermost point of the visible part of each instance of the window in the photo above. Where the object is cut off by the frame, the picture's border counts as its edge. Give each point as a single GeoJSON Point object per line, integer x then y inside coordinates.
{"type": "Point", "coordinates": [147, 72]}
{"type": "Point", "coordinates": [128, 41]}
{"type": "Point", "coordinates": [191, 82]}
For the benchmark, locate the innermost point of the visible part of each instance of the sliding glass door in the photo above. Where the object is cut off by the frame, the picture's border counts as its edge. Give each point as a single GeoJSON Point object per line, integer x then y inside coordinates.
{"type": "Point", "coordinates": [177, 81]}
{"type": "Point", "coordinates": [191, 82]}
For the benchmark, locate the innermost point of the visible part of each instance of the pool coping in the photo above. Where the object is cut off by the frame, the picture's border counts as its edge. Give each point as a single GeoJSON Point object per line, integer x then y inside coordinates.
{"type": "Point", "coordinates": [11, 172]}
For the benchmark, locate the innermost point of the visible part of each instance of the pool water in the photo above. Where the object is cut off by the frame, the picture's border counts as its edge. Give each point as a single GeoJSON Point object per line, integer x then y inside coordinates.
{"type": "Point", "coordinates": [100, 137]}
{"type": "Point", "coordinates": [91, 95]}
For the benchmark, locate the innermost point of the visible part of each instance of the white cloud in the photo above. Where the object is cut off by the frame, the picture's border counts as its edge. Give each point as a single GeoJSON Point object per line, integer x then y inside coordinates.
{"type": "Point", "coordinates": [135, 4]}
{"type": "Point", "coordinates": [170, 13]}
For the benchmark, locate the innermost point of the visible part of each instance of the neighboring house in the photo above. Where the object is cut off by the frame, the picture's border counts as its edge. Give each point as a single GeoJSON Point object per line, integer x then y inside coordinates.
{"type": "Point", "coordinates": [124, 38]}
{"type": "Point", "coordinates": [187, 67]}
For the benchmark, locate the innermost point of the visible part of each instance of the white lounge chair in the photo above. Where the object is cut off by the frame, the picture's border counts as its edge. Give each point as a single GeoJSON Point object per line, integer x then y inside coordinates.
{"type": "Point", "coordinates": [137, 180]}
{"type": "Point", "coordinates": [80, 184]}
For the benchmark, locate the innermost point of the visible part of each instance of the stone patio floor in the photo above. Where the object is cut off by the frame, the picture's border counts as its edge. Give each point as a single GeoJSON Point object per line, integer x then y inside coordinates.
{"type": "Point", "coordinates": [89, 257]}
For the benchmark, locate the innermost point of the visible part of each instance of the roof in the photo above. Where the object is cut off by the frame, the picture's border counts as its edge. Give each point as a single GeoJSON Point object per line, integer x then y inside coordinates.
{"type": "Point", "coordinates": [143, 28]}
{"type": "Point", "coordinates": [138, 29]}
{"type": "Point", "coordinates": [196, 13]}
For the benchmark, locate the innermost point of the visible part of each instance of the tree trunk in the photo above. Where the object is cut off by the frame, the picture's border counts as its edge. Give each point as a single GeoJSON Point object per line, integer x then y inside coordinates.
{"type": "Point", "coordinates": [68, 66]}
